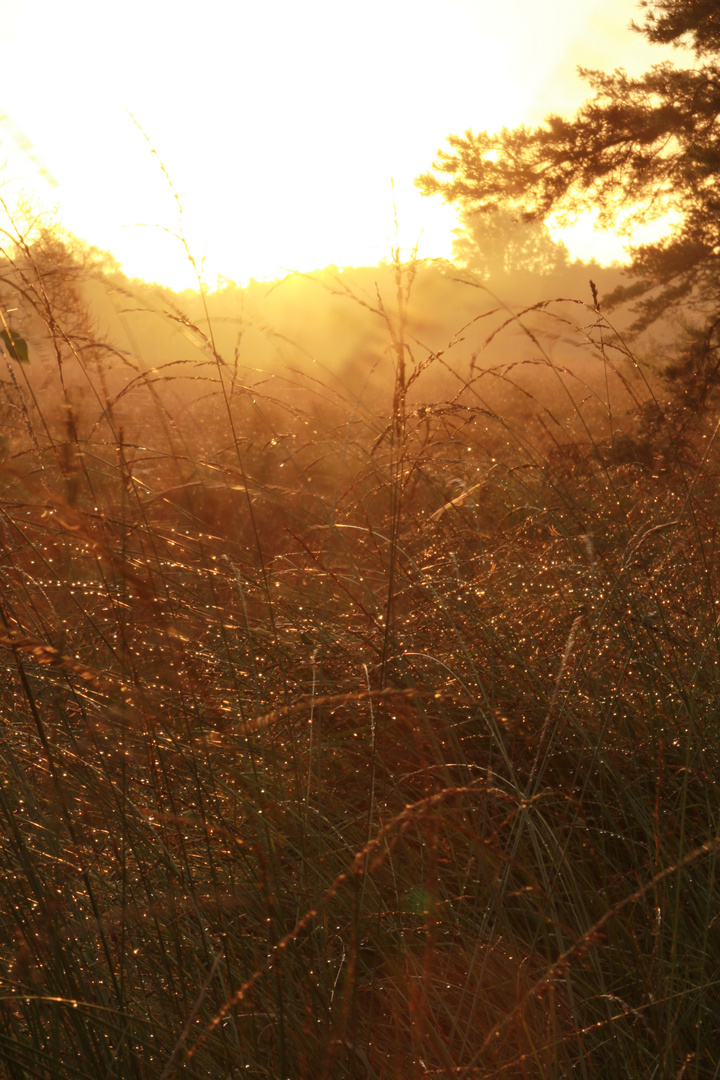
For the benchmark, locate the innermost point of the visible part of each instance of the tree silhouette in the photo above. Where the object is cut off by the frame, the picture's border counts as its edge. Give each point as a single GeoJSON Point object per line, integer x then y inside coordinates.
{"type": "Point", "coordinates": [636, 150]}
{"type": "Point", "coordinates": [500, 243]}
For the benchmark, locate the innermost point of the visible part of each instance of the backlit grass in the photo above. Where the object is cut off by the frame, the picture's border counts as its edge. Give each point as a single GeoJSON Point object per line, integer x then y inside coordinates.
{"type": "Point", "coordinates": [348, 741]}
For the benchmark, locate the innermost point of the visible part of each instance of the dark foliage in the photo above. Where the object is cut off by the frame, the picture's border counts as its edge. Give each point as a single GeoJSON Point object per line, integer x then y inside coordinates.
{"type": "Point", "coordinates": [638, 149]}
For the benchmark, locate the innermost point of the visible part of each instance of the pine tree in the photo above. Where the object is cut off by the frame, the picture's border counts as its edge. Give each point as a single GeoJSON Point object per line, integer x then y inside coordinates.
{"type": "Point", "coordinates": [638, 149]}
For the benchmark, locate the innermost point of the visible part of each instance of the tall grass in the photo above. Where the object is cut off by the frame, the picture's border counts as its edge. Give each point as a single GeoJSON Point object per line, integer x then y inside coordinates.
{"type": "Point", "coordinates": [346, 744]}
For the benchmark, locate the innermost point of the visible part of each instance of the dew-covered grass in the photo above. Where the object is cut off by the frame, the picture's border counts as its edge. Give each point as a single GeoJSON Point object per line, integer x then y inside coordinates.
{"type": "Point", "coordinates": [345, 739]}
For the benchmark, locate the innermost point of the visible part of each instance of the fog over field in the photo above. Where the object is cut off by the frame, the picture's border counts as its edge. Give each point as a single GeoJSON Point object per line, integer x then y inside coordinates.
{"type": "Point", "coordinates": [359, 635]}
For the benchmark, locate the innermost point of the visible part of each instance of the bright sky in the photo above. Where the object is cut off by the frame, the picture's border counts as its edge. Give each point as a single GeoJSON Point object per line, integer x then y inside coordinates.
{"type": "Point", "coordinates": [291, 132]}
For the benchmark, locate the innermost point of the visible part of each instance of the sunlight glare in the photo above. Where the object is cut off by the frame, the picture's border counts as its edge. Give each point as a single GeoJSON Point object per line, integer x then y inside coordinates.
{"type": "Point", "coordinates": [291, 135]}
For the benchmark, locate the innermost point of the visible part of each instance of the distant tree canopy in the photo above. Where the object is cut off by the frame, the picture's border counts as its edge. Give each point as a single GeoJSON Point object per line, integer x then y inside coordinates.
{"type": "Point", "coordinates": [500, 243]}
{"type": "Point", "coordinates": [636, 150]}
{"type": "Point", "coordinates": [43, 274]}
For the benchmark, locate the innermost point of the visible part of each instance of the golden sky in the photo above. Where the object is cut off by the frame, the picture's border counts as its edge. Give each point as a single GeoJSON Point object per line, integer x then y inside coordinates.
{"type": "Point", "coordinates": [292, 133]}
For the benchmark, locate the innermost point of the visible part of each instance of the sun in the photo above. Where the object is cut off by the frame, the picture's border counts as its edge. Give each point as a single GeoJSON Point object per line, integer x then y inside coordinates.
{"type": "Point", "coordinates": [269, 138]}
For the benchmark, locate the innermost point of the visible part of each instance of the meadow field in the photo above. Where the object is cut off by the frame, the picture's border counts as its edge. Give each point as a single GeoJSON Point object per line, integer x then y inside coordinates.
{"type": "Point", "coordinates": [358, 721]}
